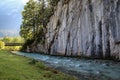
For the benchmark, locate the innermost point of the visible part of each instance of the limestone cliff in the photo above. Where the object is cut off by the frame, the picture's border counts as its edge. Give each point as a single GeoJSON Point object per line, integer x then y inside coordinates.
{"type": "Point", "coordinates": [87, 28]}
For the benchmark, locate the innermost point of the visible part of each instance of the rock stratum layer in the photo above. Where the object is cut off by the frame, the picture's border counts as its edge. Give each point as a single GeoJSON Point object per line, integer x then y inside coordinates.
{"type": "Point", "coordinates": [89, 28]}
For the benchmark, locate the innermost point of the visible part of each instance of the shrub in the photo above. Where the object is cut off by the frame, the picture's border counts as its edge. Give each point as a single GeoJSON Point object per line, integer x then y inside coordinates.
{"type": "Point", "coordinates": [40, 65]}
{"type": "Point", "coordinates": [2, 45]}
{"type": "Point", "coordinates": [12, 48]}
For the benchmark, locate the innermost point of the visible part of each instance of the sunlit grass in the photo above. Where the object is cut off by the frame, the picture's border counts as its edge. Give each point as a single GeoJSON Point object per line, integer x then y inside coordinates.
{"type": "Point", "coordinates": [13, 67]}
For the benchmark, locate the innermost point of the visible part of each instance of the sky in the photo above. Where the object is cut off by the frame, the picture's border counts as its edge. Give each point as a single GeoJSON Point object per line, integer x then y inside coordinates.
{"type": "Point", "coordinates": [10, 14]}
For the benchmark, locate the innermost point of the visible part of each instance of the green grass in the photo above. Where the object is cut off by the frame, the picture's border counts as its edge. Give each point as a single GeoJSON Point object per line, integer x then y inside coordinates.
{"type": "Point", "coordinates": [13, 67]}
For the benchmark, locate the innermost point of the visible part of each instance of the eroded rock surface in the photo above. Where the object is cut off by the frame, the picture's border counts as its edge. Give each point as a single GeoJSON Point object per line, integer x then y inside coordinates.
{"type": "Point", "coordinates": [87, 28]}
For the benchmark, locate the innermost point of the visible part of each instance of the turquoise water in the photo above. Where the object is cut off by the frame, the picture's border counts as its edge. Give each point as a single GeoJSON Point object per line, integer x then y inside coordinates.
{"type": "Point", "coordinates": [99, 68]}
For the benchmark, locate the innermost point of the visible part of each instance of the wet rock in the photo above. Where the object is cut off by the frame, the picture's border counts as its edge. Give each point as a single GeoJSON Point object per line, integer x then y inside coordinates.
{"type": "Point", "coordinates": [81, 66]}
{"type": "Point", "coordinates": [107, 64]}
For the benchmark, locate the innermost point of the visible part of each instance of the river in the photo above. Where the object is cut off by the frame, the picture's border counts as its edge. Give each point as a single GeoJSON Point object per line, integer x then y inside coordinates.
{"type": "Point", "coordinates": [82, 68]}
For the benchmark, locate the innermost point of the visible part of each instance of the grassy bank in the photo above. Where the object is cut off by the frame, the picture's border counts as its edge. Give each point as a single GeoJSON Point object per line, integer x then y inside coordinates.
{"type": "Point", "coordinates": [13, 67]}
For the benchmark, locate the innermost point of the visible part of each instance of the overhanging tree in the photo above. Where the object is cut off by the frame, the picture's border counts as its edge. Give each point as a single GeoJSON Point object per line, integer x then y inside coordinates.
{"type": "Point", "coordinates": [36, 15]}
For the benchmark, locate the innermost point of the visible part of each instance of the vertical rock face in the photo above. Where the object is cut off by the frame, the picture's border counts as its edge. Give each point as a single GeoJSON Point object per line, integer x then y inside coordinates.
{"type": "Point", "coordinates": [89, 28]}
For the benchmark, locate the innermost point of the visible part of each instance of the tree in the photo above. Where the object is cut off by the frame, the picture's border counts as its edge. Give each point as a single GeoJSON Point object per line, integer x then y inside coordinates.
{"type": "Point", "coordinates": [53, 3]}
{"type": "Point", "coordinates": [28, 24]}
{"type": "Point", "coordinates": [2, 45]}
{"type": "Point", "coordinates": [7, 39]}
{"type": "Point", "coordinates": [36, 15]}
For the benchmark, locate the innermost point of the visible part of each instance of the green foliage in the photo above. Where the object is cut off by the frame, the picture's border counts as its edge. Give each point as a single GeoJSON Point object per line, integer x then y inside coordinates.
{"type": "Point", "coordinates": [11, 40]}
{"type": "Point", "coordinates": [13, 48]}
{"type": "Point", "coordinates": [33, 62]}
{"type": "Point", "coordinates": [13, 67]}
{"type": "Point", "coordinates": [40, 65]}
{"type": "Point", "coordinates": [7, 39]}
{"type": "Point", "coordinates": [27, 43]}
{"type": "Point", "coordinates": [36, 15]}
{"type": "Point", "coordinates": [2, 45]}
{"type": "Point", "coordinates": [28, 24]}
{"type": "Point", "coordinates": [53, 3]}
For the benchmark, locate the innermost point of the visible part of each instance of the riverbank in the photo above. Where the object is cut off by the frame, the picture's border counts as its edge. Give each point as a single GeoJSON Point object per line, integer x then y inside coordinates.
{"type": "Point", "coordinates": [84, 69]}
{"type": "Point", "coordinates": [13, 67]}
